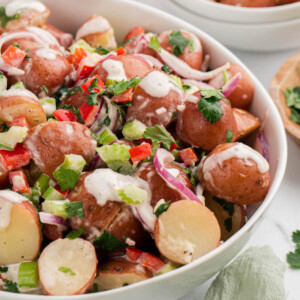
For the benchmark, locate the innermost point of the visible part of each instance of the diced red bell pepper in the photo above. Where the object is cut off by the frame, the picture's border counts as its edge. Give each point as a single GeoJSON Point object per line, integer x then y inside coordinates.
{"type": "Point", "coordinates": [70, 58]}
{"type": "Point", "coordinates": [84, 71]}
{"type": "Point", "coordinates": [19, 182]}
{"type": "Point", "coordinates": [64, 115]}
{"type": "Point", "coordinates": [120, 51]}
{"type": "Point", "coordinates": [173, 147]}
{"type": "Point", "coordinates": [134, 32]}
{"type": "Point", "coordinates": [86, 85]}
{"type": "Point", "coordinates": [140, 152]}
{"type": "Point", "coordinates": [88, 112]}
{"type": "Point", "coordinates": [188, 156]}
{"type": "Point", "coordinates": [147, 260]}
{"type": "Point", "coordinates": [79, 54]}
{"type": "Point", "coordinates": [124, 97]}
{"type": "Point", "coordinates": [144, 140]}
{"type": "Point", "coordinates": [13, 56]}
{"type": "Point", "coordinates": [64, 193]}
{"type": "Point", "coordinates": [15, 159]}
{"type": "Point", "coordinates": [20, 121]}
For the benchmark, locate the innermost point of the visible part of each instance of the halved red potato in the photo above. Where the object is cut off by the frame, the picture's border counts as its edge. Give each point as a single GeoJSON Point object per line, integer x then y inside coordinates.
{"type": "Point", "coordinates": [46, 66]}
{"type": "Point", "coordinates": [155, 99]}
{"type": "Point", "coordinates": [236, 173]}
{"type": "Point", "coordinates": [17, 102]}
{"type": "Point", "coordinates": [195, 130]}
{"type": "Point", "coordinates": [283, 2]}
{"type": "Point", "coordinates": [120, 272]}
{"type": "Point", "coordinates": [246, 123]}
{"type": "Point", "coordinates": [76, 100]}
{"type": "Point", "coordinates": [242, 95]}
{"type": "Point", "coordinates": [231, 216]}
{"type": "Point", "coordinates": [20, 229]}
{"type": "Point", "coordinates": [186, 231]}
{"type": "Point", "coordinates": [52, 232]}
{"type": "Point", "coordinates": [250, 3]}
{"type": "Point", "coordinates": [32, 13]}
{"type": "Point", "coordinates": [4, 179]}
{"type": "Point", "coordinates": [65, 39]}
{"type": "Point", "coordinates": [50, 141]}
{"type": "Point", "coordinates": [192, 53]}
{"type": "Point", "coordinates": [97, 31]}
{"type": "Point", "coordinates": [67, 267]}
{"type": "Point", "coordinates": [158, 186]}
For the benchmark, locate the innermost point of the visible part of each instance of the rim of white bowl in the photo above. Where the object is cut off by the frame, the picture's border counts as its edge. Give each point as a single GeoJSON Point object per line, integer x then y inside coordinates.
{"type": "Point", "coordinates": [256, 216]}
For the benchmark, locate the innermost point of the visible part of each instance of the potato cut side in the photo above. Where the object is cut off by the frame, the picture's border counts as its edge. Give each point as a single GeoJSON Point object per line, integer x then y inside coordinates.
{"type": "Point", "coordinates": [230, 216]}
{"type": "Point", "coordinates": [67, 267]}
{"type": "Point", "coordinates": [186, 231]}
{"type": "Point", "coordinates": [20, 237]}
{"type": "Point", "coordinates": [118, 273]}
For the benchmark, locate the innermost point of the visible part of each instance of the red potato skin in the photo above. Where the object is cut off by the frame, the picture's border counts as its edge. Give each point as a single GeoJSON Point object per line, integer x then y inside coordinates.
{"type": "Point", "coordinates": [41, 71]}
{"type": "Point", "coordinates": [193, 59]}
{"type": "Point", "coordinates": [284, 2]}
{"type": "Point", "coordinates": [52, 232]}
{"type": "Point", "coordinates": [243, 94]}
{"type": "Point", "coordinates": [49, 142]}
{"type": "Point", "coordinates": [75, 100]}
{"type": "Point", "coordinates": [250, 3]}
{"type": "Point", "coordinates": [195, 130]}
{"type": "Point", "coordinates": [158, 186]}
{"type": "Point", "coordinates": [229, 185]}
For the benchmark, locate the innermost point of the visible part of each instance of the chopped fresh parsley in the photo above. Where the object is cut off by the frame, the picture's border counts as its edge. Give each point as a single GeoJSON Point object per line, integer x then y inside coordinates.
{"type": "Point", "coordinates": [5, 19]}
{"type": "Point", "coordinates": [45, 89]}
{"type": "Point", "coordinates": [95, 287]}
{"type": "Point", "coordinates": [75, 234]}
{"type": "Point", "coordinates": [15, 44]}
{"type": "Point", "coordinates": [93, 99]}
{"type": "Point", "coordinates": [66, 270]}
{"type": "Point", "coordinates": [162, 208]}
{"type": "Point", "coordinates": [107, 121]}
{"type": "Point", "coordinates": [166, 69]}
{"type": "Point", "coordinates": [174, 115]}
{"type": "Point", "coordinates": [189, 172]}
{"type": "Point", "coordinates": [121, 109]}
{"type": "Point", "coordinates": [293, 258]}
{"type": "Point", "coordinates": [10, 286]}
{"type": "Point", "coordinates": [292, 96]}
{"type": "Point", "coordinates": [3, 126]}
{"type": "Point", "coordinates": [61, 93]}
{"type": "Point", "coordinates": [229, 135]}
{"type": "Point", "coordinates": [74, 209]}
{"type": "Point", "coordinates": [186, 87]}
{"type": "Point", "coordinates": [229, 207]}
{"type": "Point", "coordinates": [210, 105]}
{"type": "Point", "coordinates": [154, 44]}
{"type": "Point", "coordinates": [119, 87]}
{"type": "Point", "coordinates": [27, 56]}
{"type": "Point", "coordinates": [125, 284]}
{"type": "Point", "coordinates": [107, 242]}
{"type": "Point", "coordinates": [3, 269]}
{"type": "Point", "coordinates": [179, 42]}
{"type": "Point", "coordinates": [160, 135]}
{"type": "Point", "coordinates": [6, 147]}
{"type": "Point", "coordinates": [102, 50]}
{"type": "Point", "coordinates": [73, 91]}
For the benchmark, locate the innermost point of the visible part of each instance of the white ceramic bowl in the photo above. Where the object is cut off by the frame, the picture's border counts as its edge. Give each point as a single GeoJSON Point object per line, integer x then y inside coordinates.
{"type": "Point", "coordinates": [123, 16]}
{"type": "Point", "coordinates": [250, 29]}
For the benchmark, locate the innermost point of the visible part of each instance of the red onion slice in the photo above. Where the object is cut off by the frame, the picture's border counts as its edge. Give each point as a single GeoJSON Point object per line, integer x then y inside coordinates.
{"type": "Point", "coordinates": [149, 226]}
{"type": "Point", "coordinates": [89, 125]}
{"type": "Point", "coordinates": [9, 70]}
{"type": "Point", "coordinates": [264, 145]}
{"type": "Point", "coordinates": [185, 71]}
{"type": "Point", "coordinates": [147, 59]}
{"type": "Point", "coordinates": [50, 219]}
{"type": "Point", "coordinates": [160, 157]}
{"type": "Point", "coordinates": [205, 63]}
{"type": "Point", "coordinates": [108, 56]}
{"type": "Point", "coordinates": [230, 86]}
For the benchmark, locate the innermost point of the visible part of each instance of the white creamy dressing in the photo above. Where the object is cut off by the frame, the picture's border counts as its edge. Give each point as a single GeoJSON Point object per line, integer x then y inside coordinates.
{"type": "Point", "coordinates": [115, 69]}
{"type": "Point", "coordinates": [174, 172]}
{"type": "Point", "coordinates": [192, 98]}
{"type": "Point", "coordinates": [240, 151]}
{"type": "Point", "coordinates": [47, 53]}
{"type": "Point", "coordinates": [94, 25]}
{"type": "Point", "coordinates": [160, 110]}
{"type": "Point", "coordinates": [104, 183]}
{"type": "Point", "coordinates": [19, 92]}
{"type": "Point", "coordinates": [14, 7]}
{"type": "Point", "coordinates": [69, 129]}
{"type": "Point", "coordinates": [158, 84]}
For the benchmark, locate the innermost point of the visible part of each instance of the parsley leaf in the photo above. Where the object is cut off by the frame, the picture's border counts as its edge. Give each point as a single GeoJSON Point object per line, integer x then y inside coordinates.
{"type": "Point", "coordinates": [45, 89]}
{"type": "Point", "coordinates": [190, 173]}
{"type": "Point", "coordinates": [61, 93]}
{"type": "Point", "coordinates": [296, 237]}
{"type": "Point", "coordinates": [228, 224]}
{"type": "Point", "coordinates": [107, 121]}
{"type": "Point", "coordinates": [107, 242]}
{"type": "Point", "coordinates": [229, 207]}
{"type": "Point", "coordinates": [74, 209]}
{"type": "Point", "coordinates": [179, 42]}
{"type": "Point", "coordinates": [154, 44]}
{"type": "Point", "coordinates": [292, 96]}
{"type": "Point", "coordinates": [162, 208]}
{"type": "Point", "coordinates": [10, 286]}
{"type": "Point", "coordinates": [5, 19]}
{"type": "Point", "coordinates": [210, 105]}
{"type": "Point", "coordinates": [95, 288]}
{"type": "Point", "coordinates": [229, 136]}
{"type": "Point", "coordinates": [3, 126]}
{"type": "Point", "coordinates": [160, 135]}
{"type": "Point", "coordinates": [66, 270]}
{"type": "Point", "coordinates": [75, 234]}
{"type": "Point", "coordinates": [3, 269]}
{"type": "Point", "coordinates": [166, 69]}
{"type": "Point", "coordinates": [93, 99]}
{"type": "Point", "coordinates": [293, 258]}
{"type": "Point", "coordinates": [75, 111]}
{"type": "Point", "coordinates": [119, 87]}
{"type": "Point", "coordinates": [102, 50]}
{"type": "Point", "coordinates": [73, 91]}
{"type": "Point", "coordinates": [186, 87]}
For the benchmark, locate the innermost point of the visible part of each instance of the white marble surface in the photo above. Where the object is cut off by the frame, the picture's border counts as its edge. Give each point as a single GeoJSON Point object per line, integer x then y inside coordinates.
{"type": "Point", "coordinates": [282, 218]}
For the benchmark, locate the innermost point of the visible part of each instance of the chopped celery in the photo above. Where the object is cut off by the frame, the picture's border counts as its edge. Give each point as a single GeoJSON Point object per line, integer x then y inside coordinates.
{"type": "Point", "coordinates": [170, 266]}
{"type": "Point", "coordinates": [49, 105]}
{"type": "Point", "coordinates": [28, 274]}
{"type": "Point", "coordinates": [55, 207]}
{"type": "Point", "coordinates": [81, 44]}
{"type": "Point", "coordinates": [114, 152]}
{"type": "Point", "coordinates": [35, 196]}
{"type": "Point", "coordinates": [177, 80]}
{"type": "Point", "coordinates": [53, 194]}
{"type": "Point", "coordinates": [74, 162]}
{"type": "Point", "coordinates": [133, 130]}
{"type": "Point", "coordinates": [175, 153]}
{"type": "Point", "coordinates": [12, 137]}
{"type": "Point", "coordinates": [109, 82]}
{"type": "Point", "coordinates": [18, 85]}
{"type": "Point", "coordinates": [42, 183]}
{"type": "Point", "coordinates": [107, 137]}
{"type": "Point", "coordinates": [122, 167]}
{"type": "Point", "coordinates": [131, 194]}
{"type": "Point", "coordinates": [3, 83]}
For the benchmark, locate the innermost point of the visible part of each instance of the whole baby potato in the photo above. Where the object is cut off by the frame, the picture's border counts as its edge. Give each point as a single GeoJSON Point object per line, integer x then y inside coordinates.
{"type": "Point", "coordinates": [236, 173]}
{"type": "Point", "coordinates": [250, 3]}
